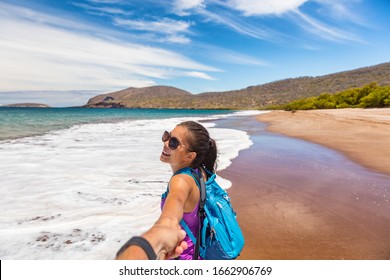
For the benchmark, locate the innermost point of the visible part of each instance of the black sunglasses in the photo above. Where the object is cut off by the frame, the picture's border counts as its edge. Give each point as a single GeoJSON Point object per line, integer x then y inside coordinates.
{"type": "Point", "coordinates": [173, 141]}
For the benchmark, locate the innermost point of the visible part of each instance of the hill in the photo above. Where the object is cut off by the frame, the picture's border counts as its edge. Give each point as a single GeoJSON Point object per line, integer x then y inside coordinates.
{"type": "Point", "coordinates": [147, 97]}
{"type": "Point", "coordinates": [253, 97]}
{"type": "Point", "coordinates": [29, 105]}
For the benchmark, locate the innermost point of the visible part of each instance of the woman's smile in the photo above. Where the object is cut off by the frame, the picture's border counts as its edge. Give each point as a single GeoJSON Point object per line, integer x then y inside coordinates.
{"type": "Point", "coordinates": [164, 153]}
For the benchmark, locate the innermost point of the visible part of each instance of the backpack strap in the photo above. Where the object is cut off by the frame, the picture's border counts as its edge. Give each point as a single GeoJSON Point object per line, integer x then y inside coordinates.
{"type": "Point", "coordinates": [188, 231]}
{"type": "Point", "coordinates": [201, 211]}
{"type": "Point", "coordinates": [188, 171]}
{"type": "Point", "coordinates": [202, 187]}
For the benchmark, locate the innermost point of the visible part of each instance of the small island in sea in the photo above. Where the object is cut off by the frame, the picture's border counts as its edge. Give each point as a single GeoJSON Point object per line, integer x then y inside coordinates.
{"type": "Point", "coordinates": [29, 105]}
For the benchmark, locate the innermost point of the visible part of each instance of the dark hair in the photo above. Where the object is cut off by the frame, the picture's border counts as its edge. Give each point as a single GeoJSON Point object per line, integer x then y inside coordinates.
{"type": "Point", "coordinates": [201, 143]}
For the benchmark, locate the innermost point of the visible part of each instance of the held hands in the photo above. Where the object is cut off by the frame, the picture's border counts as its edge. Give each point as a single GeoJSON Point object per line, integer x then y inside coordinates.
{"type": "Point", "coordinates": [165, 237]}
{"type": "Point", "coordinates": [166, 241]}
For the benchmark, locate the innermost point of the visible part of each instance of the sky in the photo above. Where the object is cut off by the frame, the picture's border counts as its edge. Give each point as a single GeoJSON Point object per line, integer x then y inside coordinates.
{"type": "Point", "coordinates": [64, 52]}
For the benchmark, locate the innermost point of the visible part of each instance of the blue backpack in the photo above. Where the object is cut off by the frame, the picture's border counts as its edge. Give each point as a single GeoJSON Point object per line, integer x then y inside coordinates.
{"type": "Point", "coordinates": [219, 236]}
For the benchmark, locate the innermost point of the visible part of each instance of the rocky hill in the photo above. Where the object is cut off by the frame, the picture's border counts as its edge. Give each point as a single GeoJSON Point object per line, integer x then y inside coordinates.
{"type": "Point", "coordinates": [147, 97]}
{"type": "Point", "coordinates": [253, 97]}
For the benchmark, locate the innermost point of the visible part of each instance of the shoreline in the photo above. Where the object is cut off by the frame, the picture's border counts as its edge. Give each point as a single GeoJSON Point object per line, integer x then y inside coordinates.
{"type": "Point", "coordinates": [297, 200]}
{"type": "Point", "coordinates": [361, 134]}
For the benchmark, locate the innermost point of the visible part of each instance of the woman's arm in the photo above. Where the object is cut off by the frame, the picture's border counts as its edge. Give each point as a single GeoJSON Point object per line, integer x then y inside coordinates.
{"type": "Point", "coordinates": [165, 235]}
{"type": "Point", "coordinates": [180, 188]}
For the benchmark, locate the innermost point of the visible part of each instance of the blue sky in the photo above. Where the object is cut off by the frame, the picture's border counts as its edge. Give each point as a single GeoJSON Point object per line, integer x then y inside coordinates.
{"type": "Point", "coordinates": [63, 52]}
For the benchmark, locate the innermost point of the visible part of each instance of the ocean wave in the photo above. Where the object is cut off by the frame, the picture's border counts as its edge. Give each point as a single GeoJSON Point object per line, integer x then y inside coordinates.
{"type": "Point", "coordinates": [77, 193]}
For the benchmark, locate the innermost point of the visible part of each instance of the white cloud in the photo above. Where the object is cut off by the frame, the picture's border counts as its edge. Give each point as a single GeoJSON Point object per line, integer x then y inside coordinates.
{"type": "Point", "coordinates": [341, 10]}
{"type": "Point", "coordinates": [235, 23]}
{"type": "Point", "coordinates": [166, 25]}
{"type": "Point", "coordinates": [179, 39]}
{"type": "Point", "coordinates": [257, 8]}
{"type": "Point", "coordinates": [265, 7]}
{"type": "Point", "coordinates": [103, 10]}
{"type": "Point", "coordinates": [322, 30]}
{"type": "Point", "coordinates": [106, 1]}
{"type": "Point", "coordinates": [200, 75]}
{"type": "Point", "coordinates": [181, 7]}
{"type": "Point", "coordinates": [232, 57]}
{"type": "Point", "coordinates": [35, 55]}
{"type": "Point", "coordinates": [172, 29]}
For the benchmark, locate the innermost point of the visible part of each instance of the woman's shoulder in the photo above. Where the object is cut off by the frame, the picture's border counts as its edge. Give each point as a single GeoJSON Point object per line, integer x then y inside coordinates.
{"type": "Point", "coordinates": [181, 180]}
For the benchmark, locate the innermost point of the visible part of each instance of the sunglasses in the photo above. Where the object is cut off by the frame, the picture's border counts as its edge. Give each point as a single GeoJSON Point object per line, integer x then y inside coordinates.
{"type": "Point", "coordinates": [173, 141]}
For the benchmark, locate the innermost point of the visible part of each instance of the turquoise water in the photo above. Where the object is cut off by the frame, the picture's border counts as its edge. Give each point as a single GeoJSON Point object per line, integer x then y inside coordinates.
{"type": "Point", "coordinates": [75, 185]}
{"type": "Point", "coordinates": [22, 122]}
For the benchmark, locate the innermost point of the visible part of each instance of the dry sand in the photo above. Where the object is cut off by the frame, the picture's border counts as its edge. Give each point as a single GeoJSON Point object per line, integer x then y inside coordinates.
{"type": "Point", "coordinates": [296, 201]}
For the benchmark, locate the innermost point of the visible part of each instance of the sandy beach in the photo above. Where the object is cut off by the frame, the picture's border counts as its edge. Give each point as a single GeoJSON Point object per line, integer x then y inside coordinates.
{"type": "Point", "coordinates": [362, 134]}
{"type": "Point", "coordinates": [299, 200]}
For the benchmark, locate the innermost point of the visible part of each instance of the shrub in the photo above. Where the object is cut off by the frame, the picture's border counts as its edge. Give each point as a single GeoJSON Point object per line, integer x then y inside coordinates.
{"type": "Point", "coordinates": [368, 96]}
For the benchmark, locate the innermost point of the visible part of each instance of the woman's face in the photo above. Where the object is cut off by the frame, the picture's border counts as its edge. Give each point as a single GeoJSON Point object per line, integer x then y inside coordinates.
{"type": "Point", "coordinates": [182, 154]}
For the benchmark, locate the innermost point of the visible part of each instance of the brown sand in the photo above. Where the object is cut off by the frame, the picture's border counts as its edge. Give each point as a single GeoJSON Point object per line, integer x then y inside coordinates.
{"type": "Point", "coordinates": [288, 210]}
{"type": "Point", "coordinates": [362, 134]}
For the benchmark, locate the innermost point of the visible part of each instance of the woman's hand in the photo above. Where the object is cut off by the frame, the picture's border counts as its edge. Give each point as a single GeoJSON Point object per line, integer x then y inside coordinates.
{"type": "Point", "coordinates": [166, 241]}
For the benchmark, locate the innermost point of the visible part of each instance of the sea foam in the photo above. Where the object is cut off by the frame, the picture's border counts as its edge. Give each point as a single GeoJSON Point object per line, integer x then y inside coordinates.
{"type": "Point", "coordinates": [80, 193]}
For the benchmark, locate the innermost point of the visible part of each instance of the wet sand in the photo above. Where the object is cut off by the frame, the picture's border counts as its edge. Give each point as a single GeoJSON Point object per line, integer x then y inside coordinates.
{"type": "Point", "coordinates": [298, 200]}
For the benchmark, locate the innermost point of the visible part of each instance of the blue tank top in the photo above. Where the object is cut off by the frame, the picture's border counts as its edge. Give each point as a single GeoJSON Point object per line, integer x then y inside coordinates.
{"type": "Point", "coordinates": [191, 219]}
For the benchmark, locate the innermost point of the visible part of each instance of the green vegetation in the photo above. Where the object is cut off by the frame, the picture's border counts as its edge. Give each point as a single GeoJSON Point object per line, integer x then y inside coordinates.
{"type": "Point", "coordinates": [368, 96]}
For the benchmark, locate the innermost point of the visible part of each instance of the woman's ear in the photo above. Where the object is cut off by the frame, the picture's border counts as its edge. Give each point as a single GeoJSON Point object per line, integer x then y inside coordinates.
{"type": "Point", "coordinates": [191, 156]}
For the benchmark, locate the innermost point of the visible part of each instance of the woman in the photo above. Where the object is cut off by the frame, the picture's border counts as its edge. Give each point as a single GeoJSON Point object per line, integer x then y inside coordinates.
{"type": "Point", "coordinates": [187, 146]}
